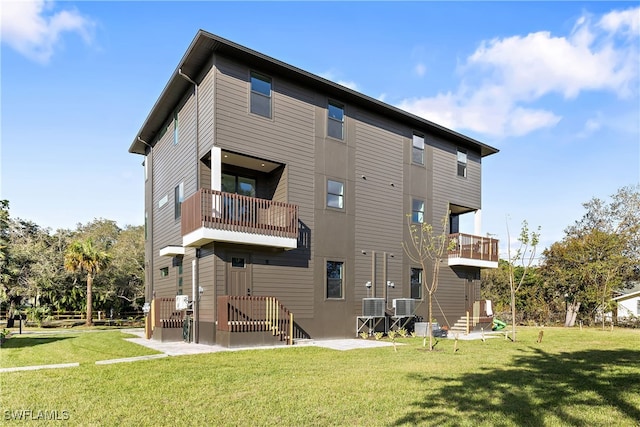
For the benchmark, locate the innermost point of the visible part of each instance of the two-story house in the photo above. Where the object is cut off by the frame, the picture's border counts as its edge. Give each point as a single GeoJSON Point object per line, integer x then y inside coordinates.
{"type": "Point", "coordinates": [273, 194]}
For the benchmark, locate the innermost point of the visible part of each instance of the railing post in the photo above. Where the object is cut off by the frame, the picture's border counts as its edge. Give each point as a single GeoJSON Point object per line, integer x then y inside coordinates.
{"type": "Point", "coordinates": [467, 333]}
{"type": "Point", "coordinates": [274, 329]}
{"type": "Point", "coordinates": [290, 328]}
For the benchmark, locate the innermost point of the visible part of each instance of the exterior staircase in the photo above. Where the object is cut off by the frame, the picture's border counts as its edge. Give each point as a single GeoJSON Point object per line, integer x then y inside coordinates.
{"type": "Point", "coordinates": [460, 327]}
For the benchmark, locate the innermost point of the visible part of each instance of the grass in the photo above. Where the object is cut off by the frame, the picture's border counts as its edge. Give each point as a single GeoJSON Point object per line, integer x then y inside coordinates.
{"type": "Point", "coordinates": [584, 378]}
{"type": "Point", "coordinates": [42, 347]}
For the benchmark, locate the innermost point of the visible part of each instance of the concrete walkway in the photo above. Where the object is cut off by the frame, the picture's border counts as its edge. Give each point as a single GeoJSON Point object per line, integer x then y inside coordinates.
{"type": "Point", "coordinates": [38, 367]}
{"type": "Point", "coordinates": [179, 348]}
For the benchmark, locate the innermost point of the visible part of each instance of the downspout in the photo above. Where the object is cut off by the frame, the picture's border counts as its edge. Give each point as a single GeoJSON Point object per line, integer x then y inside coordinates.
{"type": "Point", "coordinates": [373, 273]}
{"type": "Point", "coordinates": [149, 217]}
{"type": "Point", "coordinates": [195, 273]}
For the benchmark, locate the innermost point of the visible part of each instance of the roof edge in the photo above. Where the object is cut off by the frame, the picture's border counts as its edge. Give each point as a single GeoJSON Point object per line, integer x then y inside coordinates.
{"type": "Point", "coordinates": [138, 147]}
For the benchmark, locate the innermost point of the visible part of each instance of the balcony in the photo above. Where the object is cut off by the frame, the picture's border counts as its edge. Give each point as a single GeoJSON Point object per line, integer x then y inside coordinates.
{"type": "Point", "coordinates": [215, 216]}
{"type": "Point", "coordinates": [474, 251]}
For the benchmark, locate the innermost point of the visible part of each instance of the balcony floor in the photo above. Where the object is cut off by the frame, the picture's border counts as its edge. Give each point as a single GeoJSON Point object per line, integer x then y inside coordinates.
{"type": "Point", "coordinates": [453, 261]}
{"type": "Point", "coordinates": [204, 235]}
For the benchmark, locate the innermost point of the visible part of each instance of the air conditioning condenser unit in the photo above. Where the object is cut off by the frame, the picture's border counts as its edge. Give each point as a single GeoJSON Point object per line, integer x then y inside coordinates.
{"type": "Point", "coordinates": [404, 307]}
{"type": "Point", "coordinates": [373, 307]}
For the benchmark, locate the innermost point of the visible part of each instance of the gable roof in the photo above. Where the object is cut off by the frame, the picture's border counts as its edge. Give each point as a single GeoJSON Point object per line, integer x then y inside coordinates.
{"type": "Point", "coordinates": [624, 297]}
{"type": "Point", "coordinates": [205, 44]}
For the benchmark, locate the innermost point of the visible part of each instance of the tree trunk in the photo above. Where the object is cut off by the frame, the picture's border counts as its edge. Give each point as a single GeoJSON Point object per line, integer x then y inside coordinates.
{"type": "Point", "coordinates": [429, 326]}
{"type": "Point", "coordinates": [89, 300]}
{"type": "Point", "coordinates": [513, 313]}
{"type": "Point", "coordinates": [572, 312]}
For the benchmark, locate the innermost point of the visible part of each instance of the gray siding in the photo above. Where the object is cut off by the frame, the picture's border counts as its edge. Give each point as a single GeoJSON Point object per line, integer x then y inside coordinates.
{"type": "Point", "coordinates": [288, 138]}
{"type": "Point", "coordinates": [379, 205]}
{"type": "Point", "coordinates": [373, 161]}
{"type": "Point", "coordinates": [172, 164]}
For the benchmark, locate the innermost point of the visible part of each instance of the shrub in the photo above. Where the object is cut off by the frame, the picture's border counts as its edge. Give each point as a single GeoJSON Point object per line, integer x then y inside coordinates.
{"type": "Point", "coordinates": [38, 315]}
{"type": "Point", "coordinates": [4, 335]}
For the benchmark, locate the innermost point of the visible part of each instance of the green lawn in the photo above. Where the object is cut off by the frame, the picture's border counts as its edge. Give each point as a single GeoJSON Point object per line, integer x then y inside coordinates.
{"type": "Point", "coordinates": [585, 378]}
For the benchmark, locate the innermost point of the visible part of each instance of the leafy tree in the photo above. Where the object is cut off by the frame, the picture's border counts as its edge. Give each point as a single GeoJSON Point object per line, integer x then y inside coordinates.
{"type": "Point", "coordinates": [524, 256]}
{"type": "Point", "coordinates": [620, 216]}
{"type": "Point", "coordinates": [586, 269]}
{"type": "Point", "coordinates": [83, 257]}
{"type": "Point", "coordinates": [535, 301]}
{"type": "Point", "coordinates": [599, 253]}
{"type": "Point", "coordinates": [495, 286]}
{"type": "Point", "coordinates": [428, 248]}
{"type": "Point", "coordinates": [126, 279]}
{"type": "Point", "coordinates": [7, 269]}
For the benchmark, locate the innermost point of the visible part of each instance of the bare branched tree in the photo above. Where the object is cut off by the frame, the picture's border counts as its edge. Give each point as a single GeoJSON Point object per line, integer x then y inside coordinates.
{"type": "Point", "coordinates": [428, 248]}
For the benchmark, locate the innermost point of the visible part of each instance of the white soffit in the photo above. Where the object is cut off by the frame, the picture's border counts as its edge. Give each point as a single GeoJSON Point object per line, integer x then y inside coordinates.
{"type": "Point", "coordinates": [172, 251]}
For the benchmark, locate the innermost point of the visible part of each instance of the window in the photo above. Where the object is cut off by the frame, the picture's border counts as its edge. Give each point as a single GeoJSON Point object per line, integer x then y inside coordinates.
{"type": "Point", "coordinates": [417, 211]}
{"type": "Point", "coordinates": [335, 126]}
{"type": "Point", "coordinates": [260, 95]}
{"type": "Point", "coordinates": [179, 198]}
{"type": "Point", "coordinates": [335, 194]}
{"type": "Point", "coordinates": [180, 282]}
{"type": "Point", "coordinates": [164, 271]}
{"type": "Point", "coordinates": [462, 163]}
{"type": "Point", "coordinates": [237, 262]}
{"type": "Point", "coordinates": [638, 308]}
{"type": "Point", "coordinates": [416, 283]}
{"type": "Point", "coordinates": [417, 153]}
{"type": "Point", "coordinates": [175, 128]}
{"type": "Point", "coordinates": [335, 270]}
{"type": "Point", "coordinates": [238, 185]}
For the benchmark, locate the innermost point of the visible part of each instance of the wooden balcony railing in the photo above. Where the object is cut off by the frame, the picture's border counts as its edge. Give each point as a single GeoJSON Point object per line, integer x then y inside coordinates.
{"type": "Point", "coordinates": [164, 314]}
{"type": "Point", "coordinates": [257, 314]}
{"type": "Point", "coordinates": [474, 247]}
{"type": "Point", "coordinates": [233, 212]}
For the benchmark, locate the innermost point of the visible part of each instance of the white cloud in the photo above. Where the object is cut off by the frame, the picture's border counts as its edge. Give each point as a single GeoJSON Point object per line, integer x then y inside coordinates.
{"type": "Point", "coordinates": [34, 30]}
{"type": "Point", "coordinates": [503, 75]}
{"type": "Point", "coordinates": [420, 70]}
{"type": "Point", "coordinates": [348, 83]}
{"type": "Point", "coordinates": [625, 21]}
{"type": "Point", "coordinates": [590, 127]}
{"type": "Point", "coordinates": [332, 75]}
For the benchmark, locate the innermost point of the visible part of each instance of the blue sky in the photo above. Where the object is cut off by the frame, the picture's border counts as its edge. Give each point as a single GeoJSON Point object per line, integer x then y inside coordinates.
{"type": "Point", "coordinates": [554, 86]}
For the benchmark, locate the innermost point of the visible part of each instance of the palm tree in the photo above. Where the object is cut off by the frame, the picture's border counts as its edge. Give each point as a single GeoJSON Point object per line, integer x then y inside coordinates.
{"type": "Point", "coordinates": [83, 257]}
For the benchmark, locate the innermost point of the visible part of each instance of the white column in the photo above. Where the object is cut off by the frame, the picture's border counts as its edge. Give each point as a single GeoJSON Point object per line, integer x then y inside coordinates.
{"type": "Point", "coordinates": [477, 223]}
{"type": "Point", "coordinates": [216, 168]}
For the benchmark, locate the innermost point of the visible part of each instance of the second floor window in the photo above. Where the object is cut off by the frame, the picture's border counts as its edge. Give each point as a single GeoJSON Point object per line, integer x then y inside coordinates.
{"type": "Point", "coordinates": [260, 95]}
{"type": "Point", "coordinates": [417, 151]}
{"type": "Point", "coordinates": [335, 194]}
{"type": "Point", "coordinates": [462, 163]}
{"type": "Point", "coordinates": [417, 211]}
{"type": "Point", "coordinates": [335, 125]}
{"type": "Point", "coordinates": [178, 199]}
{"type": "Point", "coordinates": [238, 185]}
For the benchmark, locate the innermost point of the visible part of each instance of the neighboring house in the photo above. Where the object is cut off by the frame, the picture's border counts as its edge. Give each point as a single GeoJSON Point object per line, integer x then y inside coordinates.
{"type": "Point", "coordinates": [628, 304]}
{"type": "Point", "coordinates": [272, 193]}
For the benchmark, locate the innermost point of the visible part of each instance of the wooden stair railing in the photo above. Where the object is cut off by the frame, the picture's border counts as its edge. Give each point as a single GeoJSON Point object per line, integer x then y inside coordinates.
{"type": "Point", "coordinates": [257, 314]}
